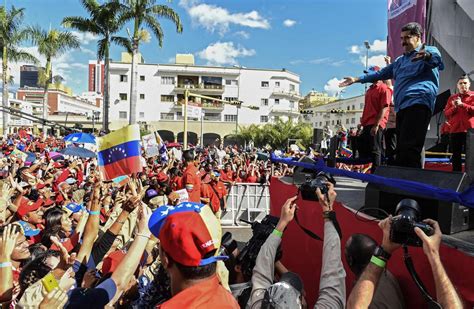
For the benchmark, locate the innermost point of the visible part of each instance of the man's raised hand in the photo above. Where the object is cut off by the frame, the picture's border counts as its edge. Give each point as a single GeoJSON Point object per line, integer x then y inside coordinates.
{"type": "Point", "coordinates": [347, 81]}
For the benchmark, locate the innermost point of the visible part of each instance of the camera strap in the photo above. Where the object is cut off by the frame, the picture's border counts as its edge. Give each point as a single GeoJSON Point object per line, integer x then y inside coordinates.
{"type": "Point", "coordinates": [432, 304]}
{"type": "Point", "coordinates": [308, 232]}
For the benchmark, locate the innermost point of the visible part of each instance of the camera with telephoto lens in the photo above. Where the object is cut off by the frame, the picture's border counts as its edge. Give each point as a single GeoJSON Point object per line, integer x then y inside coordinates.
{"type": "Point", "coordinates": [403, 226]}
{"type": "Point", "coordinates": [314, 181]}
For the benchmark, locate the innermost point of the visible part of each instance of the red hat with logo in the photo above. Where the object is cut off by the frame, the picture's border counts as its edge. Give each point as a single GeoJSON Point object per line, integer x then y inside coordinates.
{"type": "Point", "coordinates": [188, 233]}
{"type": "Point", "coordinates": [27, 206]}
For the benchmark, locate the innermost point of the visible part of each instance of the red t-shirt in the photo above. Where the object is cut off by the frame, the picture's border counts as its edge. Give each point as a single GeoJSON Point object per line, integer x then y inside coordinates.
{"type": "Point", "coordinates": [227, 176]}
{"type": "Point", "coordinates": [206, 294]}
{"type": "Point", "coordinates": [177, 183]}
{"type": "Point", "coordinates": [377, 97]}
{"type": "Point", "coordinates": [192, 183]}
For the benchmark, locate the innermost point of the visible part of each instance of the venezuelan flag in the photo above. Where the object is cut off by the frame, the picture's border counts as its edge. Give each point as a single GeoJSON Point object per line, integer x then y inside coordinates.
{"type": "Point", "coordinates": [119, 153]}
{"type": "Point", "coordinates": [346, 152]}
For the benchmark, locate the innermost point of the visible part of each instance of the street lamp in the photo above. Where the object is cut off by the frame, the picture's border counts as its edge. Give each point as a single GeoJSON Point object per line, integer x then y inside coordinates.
{"type": "Point", "coordinates": [94, 117]}
{"type": "Point", "coordinates": [367, 47]}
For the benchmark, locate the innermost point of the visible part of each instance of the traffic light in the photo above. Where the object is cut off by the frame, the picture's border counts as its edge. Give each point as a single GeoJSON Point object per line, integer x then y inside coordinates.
{"type": "Point", "coordinates": [336, 111]}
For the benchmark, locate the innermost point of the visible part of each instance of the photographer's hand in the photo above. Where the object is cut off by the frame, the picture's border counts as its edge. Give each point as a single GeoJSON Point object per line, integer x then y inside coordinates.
{"type": "Point", "coordinates": [387, 244]}
{"type": "Point", "coordinates": [327, 201]}
{"type": "Point", "coordinates": [430, 243]}
{"type": "Point", "coordinates": [287, 213]}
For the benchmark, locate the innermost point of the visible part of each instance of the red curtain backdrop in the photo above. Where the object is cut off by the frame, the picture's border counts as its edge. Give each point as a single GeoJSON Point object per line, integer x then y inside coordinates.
{"type": "Point", "coordinates": [303, 254]}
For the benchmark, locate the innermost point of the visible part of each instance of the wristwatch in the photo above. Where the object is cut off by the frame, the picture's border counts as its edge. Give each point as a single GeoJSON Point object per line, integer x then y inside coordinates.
{"type": "Point", "coordinates": [381, 253]}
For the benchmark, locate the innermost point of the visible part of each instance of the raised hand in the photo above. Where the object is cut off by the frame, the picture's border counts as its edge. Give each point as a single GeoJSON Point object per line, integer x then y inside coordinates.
{"type": "Point", "coordinates": [349, 80]}
{"type": "Point", "coordinates": [7, 242]}
{"type": "Point", "coordinates": [54, 299]}
{"type": "Point", "coordinates": [421, 55]}
{"type": "Point", "coordinates": [430, 243]}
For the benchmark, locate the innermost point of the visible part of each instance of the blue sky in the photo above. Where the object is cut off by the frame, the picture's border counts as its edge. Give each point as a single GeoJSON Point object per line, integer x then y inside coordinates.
{"type": "Point", "coordinates": [318, 39]}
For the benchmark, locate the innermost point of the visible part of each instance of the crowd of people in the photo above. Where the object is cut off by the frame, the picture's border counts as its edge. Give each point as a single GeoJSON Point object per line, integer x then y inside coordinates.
{"type": "Point", "coordinates": [70, 239]}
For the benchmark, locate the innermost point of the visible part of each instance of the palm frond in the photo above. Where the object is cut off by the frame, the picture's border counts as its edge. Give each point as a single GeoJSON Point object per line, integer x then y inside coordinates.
{"type": "Point", "coordinates": [168, 13]}
{"type": "Point", "coordinates": [123, 42]}
{"type": "Point", "coordinates": [155, 27]}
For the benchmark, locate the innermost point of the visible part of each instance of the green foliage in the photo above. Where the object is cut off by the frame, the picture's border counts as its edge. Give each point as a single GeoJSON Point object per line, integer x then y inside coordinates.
{"type": "Point", "coordinates": [277, 134]}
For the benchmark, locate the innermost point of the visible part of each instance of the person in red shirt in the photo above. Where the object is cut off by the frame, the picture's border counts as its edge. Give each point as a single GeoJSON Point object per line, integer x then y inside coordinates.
{"type": "Point", "coordinates": [227, 175]}
{"type": "Point", "coordinates": [374, 119]}
{"type": "Point", "coordinates": [30, 214]}
{"type": "Point", "coordinates": [460, 113]}
{"type": "Point", "coordinates": [190, 237]}
{"type": "Point", "coordinates": [219, 198]}
{"type": "Point", "coordinates": [191, 177]}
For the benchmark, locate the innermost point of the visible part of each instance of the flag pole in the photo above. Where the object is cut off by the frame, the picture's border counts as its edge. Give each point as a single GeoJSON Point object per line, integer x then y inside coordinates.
{"type": "Point", "coordinates": [185, 131]}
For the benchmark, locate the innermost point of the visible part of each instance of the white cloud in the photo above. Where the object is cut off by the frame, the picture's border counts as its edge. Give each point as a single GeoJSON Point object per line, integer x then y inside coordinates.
{"type": "Point", "coordinates": [374, 60]}
{"type": "Point", "coordinates": [355, 49]}
{"type": "Point", "coordinates": [332, 86]}
{"type": "Point", "coordinates": [337, 63]}
{"type": "Point", "coordinates": [85, 38]}
{"type": "Point", "coordinates": [216, 18]}
{"type": "Point", "coordinates": [297, 61]}
{"type": "Point", "coordinates": [243, 34]}
{"type": "Point", "coordinates": [289, 23]}
{"type": "Point", "coordinates": [377, 46]}
{"type": "Point", "coordinates": [89, 52]}
{"type": "Point", "coordinates": [320, 60]}
{"type": "Point", "coordinates": [224, 53]}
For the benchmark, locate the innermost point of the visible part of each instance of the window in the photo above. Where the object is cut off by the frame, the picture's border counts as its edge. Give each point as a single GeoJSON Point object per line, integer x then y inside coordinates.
{"type": "Point", "coordinates": [338, 121]}
{"type": "Point", "coordinates": [353, 107]}
{"type": "Point", "coordinates": [332, 122]}
{"type": "Point", "coordinates": [142, 96]}
{"type": "Point", "coordinates": [353, 120]}
{"type": "Point", "coordinates": [142, 78]}
{"type": "Point", "coordinates": [179, 116]}
{"type": "Point", "coordinates": [167, 80]}
{"type": "Point", "coordinates": [230, 118]}
{"type": "Point", "coordinates": [361, 105]}
{"type": "Point", "coordinates": [292, 87]}
{"type": "Point", "coordinates": [347, 121]}
{"type": "Point", "coordinates": [123, 78]}
{"type": "Point", "coordinates": [320, 123]}
{"type": "Point", "coordinates": [263, 118]}
{"type": "Point", "coordinates": [348, 108]}
{"type": "Point", "coordinates": [141, 115]}
{"type": "Point", "coordinates": [167, 116]}
{"type": "Point", "coordinates": [264, 102]}
{"type": "Point", "coordinates": [277, 101]}
{"type": "Point", "coordinates": [231, 82]}
{"type": "Point", "coordinates": [292, 104]}
{"type": "Point", "coordinates": [277, 84]}
{"type": "Point", "coordinates": [122, 115]}
{"type": "Point", "coordinates": [123, 96]}
{"type": "Point", "coordinates": [167, 98]}
{"type": "Point", "coordinates": [265, 84]}
{"type": "Point", "coordinates": [327, 122]}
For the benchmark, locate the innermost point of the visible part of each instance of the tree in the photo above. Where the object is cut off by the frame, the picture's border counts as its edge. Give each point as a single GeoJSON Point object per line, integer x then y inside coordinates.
{"type": "Point", "coordinates": [11, 35]}
{"type": "Point", "coordinates": [51, 44]}
{"type": "Point", "coordinates": [144, 13]}
{"type": "Point", "coordinates": [103, 21]}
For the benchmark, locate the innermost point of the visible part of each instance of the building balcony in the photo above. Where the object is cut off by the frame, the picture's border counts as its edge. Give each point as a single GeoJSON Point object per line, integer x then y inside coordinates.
{"type": "Point", "coordinates": [200, 88]}
{"type": "Point", "coordinates": [280, 110]}
{"type": "Point", "coordinates": [292, 95]}
{"type": "Point", "coordinates": [216, 106]}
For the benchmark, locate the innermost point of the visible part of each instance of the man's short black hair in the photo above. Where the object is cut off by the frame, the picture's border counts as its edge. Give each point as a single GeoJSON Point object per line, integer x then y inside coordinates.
{"type": "Point", "coordinates": [414, 28]}
{"type": "Point", "coordinates": [188, 155]}
{"type": "Point", "coordinates": [464, 76]}
{"type": "Point", "coordinates": [358, 250]}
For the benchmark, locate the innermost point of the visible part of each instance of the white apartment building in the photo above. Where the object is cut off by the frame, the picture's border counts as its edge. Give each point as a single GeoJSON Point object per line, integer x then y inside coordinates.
{"type": "Point", "coordinates": [14, 122]}
{"type": "Point", "coordinates": [322, 117]}
{"type": "Point", "coordinates": [161, 94]}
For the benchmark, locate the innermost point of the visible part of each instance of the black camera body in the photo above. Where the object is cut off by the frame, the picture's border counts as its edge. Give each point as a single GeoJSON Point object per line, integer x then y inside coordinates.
{"type": "Point", "coordinates": [314, 181]}
{"type": "Point", "coordinates": [403, 226]}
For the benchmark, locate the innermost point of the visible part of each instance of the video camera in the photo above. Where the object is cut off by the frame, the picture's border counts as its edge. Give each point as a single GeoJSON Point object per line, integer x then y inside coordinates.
{"type": "Point", "coordinates": [248, 255]}
{"type": "Point", "coordinates": [314, 181]}
{"type": "Point", "coordinates": [403, 226]}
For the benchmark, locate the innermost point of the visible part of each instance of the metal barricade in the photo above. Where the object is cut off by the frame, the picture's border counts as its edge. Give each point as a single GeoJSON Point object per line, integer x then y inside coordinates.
{"type": "Point", "coordinates": [248, 201]}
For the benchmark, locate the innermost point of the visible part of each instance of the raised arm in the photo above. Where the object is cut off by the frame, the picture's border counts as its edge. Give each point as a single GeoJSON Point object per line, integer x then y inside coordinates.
{"type": "Point", "coordinates": [445, 292]}
{"type": "Point", "coordinates": [7, 245]}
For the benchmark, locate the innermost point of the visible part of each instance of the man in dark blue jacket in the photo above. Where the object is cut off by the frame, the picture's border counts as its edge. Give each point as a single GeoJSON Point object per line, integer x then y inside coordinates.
{"type": "Point", "coordinates": [416, 75]}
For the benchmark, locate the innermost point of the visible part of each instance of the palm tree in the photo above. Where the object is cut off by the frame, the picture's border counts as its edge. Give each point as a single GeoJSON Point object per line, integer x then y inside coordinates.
{"type": "Point", "coordinates": [51, 44]}
{"type": "Point", "coordinates": [11, 35]}
{"type": "Point", "coordinates": [104, 21]}
{"type": "Point", "coordinates": [145, 13]}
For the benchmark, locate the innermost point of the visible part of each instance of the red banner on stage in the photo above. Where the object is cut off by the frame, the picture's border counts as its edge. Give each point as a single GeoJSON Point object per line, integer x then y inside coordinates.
{"type": "Point", "coordinates": [303, 254]}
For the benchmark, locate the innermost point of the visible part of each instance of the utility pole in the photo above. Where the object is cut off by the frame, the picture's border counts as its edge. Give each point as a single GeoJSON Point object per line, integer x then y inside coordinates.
{"type": "Point", "coordinates": [367, 47]}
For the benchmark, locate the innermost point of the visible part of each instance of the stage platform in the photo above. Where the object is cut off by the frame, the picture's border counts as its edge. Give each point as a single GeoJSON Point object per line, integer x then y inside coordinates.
{"type": "Point", "coordinates": [351, 193]}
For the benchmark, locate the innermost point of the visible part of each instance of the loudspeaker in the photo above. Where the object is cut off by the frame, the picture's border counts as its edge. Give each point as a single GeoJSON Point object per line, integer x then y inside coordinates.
{"type": "Point", "coordinates": [452, 217]}
{"type": "Point", "coordinates": [317, 137]}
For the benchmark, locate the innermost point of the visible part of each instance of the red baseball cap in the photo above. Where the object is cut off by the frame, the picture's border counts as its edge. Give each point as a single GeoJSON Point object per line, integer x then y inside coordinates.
{"type": "Point", "coordinates": [188, 232]}
{"type": "Point", "coordinates": [27, 206]}
{"type": "Point", "coordinates": [111, 262]}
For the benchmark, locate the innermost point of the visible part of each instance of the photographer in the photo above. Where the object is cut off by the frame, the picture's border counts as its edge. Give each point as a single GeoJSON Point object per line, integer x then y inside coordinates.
{"type": "Point", "coordinates": [362, 294]}
{"type": "Point", "coordinates": [332, 290]}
